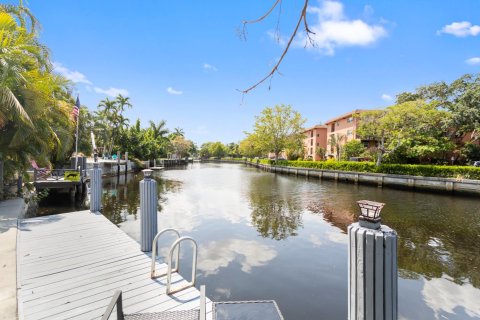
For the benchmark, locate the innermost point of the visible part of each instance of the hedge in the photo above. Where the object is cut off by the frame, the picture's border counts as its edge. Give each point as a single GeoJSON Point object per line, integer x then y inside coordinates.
{"type": "Point", "coordinates": [459, 172]}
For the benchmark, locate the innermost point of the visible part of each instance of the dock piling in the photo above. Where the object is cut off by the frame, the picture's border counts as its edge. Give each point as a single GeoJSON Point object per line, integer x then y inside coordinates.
{"type": "Point", "coordinates": [148, 210]}
{"type": "Point", "coordinates": [96, 188]}
{"type": "Point", "coordinates": [372, 267]}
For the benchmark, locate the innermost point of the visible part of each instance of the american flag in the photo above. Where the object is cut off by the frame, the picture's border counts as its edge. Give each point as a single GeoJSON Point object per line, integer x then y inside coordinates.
{"type": "Point", "coordinates": [76, 109]}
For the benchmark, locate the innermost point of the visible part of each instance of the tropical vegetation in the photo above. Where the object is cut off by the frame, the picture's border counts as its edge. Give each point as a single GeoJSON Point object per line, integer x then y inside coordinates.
{"type": "Point", "coordinates": [35, 103]}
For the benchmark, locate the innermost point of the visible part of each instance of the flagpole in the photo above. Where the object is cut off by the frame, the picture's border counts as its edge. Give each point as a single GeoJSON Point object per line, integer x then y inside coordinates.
{"type": "Point", "coordinates": [76, 135]}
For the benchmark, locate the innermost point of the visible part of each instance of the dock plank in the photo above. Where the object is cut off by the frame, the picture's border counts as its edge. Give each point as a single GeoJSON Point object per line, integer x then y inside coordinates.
{"type": "Point", "coordinates": [69, 266]}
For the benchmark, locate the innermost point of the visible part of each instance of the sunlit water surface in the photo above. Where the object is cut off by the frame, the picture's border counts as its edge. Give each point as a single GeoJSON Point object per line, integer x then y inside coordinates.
{"type": "Point", "coordinates": [263, 236]}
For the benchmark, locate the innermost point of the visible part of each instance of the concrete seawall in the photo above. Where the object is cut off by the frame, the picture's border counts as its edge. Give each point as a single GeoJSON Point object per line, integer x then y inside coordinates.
{"type": "Point", "coordinates": [431, 184]}
{"type": "Point", "coordinates": [448, 185]}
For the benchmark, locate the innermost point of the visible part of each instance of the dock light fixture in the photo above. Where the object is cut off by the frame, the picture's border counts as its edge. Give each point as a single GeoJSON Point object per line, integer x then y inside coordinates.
{"type": "Point", "coordinates": [147, 173]}
{"type": "Point", "coordinates": [370, 214]}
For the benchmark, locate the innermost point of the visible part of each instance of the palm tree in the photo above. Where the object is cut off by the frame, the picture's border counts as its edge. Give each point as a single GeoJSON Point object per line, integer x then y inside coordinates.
{"type": "Point", "coordinates": [179, 132]}
{"type": "Point", "coordinates": [336, 141]}
{"type": "Point", "coordinates": [34, 105]}
{"type": "Point", "coordinates": [159, 131]}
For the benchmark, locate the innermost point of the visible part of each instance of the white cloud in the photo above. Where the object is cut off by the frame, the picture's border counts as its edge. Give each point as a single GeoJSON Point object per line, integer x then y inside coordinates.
{"type": "Point", "coordinates": [444, 295]}
{"type": "Point", "coordinates": [207, 66]}
{"type": "Point", "coordinates": [78, 77]}
{"type": "Point", "coordinates": [173, 91]}
{"type": "Point", "coordinates": [473, 61]}
{"type": "Point", "coordinates": [112, 92]}
{"type": "Point", "coordinates": [461, 29]}
{"type": "Point", "coordinates": [248, 253]}
{"type": "Point", "coordinates": [73, 76]}
{"type": "Point", "coordinates": [333, 29]}
{"type": "Point", "coordinates": [315, 240]}
{"type": "Point", "coordinates": [337, 237]}
{"type": "Point", "coordinates": [387, 97]}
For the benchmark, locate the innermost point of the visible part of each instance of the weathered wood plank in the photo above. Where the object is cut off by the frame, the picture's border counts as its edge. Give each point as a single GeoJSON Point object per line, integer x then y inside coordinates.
{"type": "Point", "coordinates": [70, 265]}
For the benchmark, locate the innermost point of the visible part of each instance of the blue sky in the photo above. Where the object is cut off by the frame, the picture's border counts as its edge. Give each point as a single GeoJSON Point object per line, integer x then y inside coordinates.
{"type": "Point", "coordinates": [183, 62]}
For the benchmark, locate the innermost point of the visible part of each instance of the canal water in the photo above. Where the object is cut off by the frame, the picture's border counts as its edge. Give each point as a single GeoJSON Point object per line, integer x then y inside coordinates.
{"type": "Point", "coordinates": [263, 236]}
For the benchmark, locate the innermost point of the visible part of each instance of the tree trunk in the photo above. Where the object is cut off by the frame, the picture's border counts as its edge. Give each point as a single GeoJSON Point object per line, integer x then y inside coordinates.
{"type": "Point", "coordinates": [379, 158]}
{"type": "Point", "coordinates": [381, 150]}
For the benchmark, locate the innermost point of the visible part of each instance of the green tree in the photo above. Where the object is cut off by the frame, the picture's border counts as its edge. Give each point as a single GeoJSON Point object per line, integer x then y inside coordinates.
{"type": "Point", "coordinates": [461, 98]}
{"type": "Point", "coordinates": [336, 140]}
{"type": "Point", "coordinates": [35, 103]}
{"type": "Point", "coordinates": [181, 146]}
{"type": "Point", "coordinates": [277, 129]}
{"type": "Point", "coordinates": [218, 150]}
{"type": "Point", "coordinates": [353, 148]}
{"type": "Point", "coordinates": [321, 152]}
{"type": "Point", "coordinates": [205, 150]}
{"type": "Point", "coordinates": [416, 127]}
{"type": "Point", "coordinates": [248, 147]}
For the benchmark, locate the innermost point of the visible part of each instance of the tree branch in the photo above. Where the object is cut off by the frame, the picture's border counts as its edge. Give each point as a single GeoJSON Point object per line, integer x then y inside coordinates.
{"type": "Point", "coordinates": [302, 17]}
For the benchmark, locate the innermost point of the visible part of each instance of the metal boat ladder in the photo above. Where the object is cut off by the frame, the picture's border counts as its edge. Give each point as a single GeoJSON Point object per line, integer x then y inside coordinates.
{"type": "Point", "coordinates": [175, 247]}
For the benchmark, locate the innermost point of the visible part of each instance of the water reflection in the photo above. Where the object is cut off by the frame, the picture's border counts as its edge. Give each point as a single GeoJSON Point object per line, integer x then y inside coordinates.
{"type": "Point", "coordinates": [248, 253]}
{"type": "Point", "coordinates": [276, 212]}
{"type": "Point", "coordinates": [446, 298]}
{"type": "Point", "coordinates": [121, 196]}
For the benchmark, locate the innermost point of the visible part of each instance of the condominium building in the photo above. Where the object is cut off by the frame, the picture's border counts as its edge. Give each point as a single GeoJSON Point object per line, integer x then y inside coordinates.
{"type": "Point", "coordinates": [340, 130]}
{"type": "Point", "coordinates": [315, 138]}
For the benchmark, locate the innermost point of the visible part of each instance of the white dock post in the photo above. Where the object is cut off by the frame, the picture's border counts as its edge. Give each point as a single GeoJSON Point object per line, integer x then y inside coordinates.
{"type": "Point", "coordinates": [148, 210]}
{"type": "Point", "coordinates": [372, 267]}
{"type": "Point", "coordinates": [96, 188]}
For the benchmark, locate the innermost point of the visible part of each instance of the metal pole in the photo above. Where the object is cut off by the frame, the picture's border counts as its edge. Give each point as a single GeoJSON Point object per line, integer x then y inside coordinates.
{"type": "Point", "coordinates": [96, 188]}
{"type": "Point", "coordinates": [373, 274]}
{"type": "Point", "coordinates": [148, 210]}
{"type": "Point", "coordinates": [126, 162]}
{"type": "Point", "coordinates": [76, 135]}
{"type": "Point", "coordinates": [118, 163]}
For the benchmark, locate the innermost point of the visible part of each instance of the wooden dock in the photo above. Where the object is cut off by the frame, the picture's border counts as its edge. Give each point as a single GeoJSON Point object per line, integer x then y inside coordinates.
{"type": "Point", "coordinates": [69, 265]}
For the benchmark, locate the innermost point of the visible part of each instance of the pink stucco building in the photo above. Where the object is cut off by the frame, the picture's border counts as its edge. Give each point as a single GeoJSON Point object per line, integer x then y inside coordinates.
{"type": "Point", "coordinates": [342, 129]}
{"type": "Point", "coordinates": [315, 138]}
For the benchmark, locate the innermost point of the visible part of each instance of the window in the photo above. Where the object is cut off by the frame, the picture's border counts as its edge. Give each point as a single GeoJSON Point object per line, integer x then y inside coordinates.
{"type": "Point", "coordinates": [318, 135]}
{"type": "Point", "coordinates": [311, 142]}
{"type": "Point", "coordinates": [318, 144]}
{"type": "Point", "coordinates": [333, 127]}
{"type": "Point", "coordinates": [338, 123]}
{"type": "Point", "coordinates": [350, 119]}
{"type": "Point", "coordinates": [311, 134]}
{"type": "Point", "coordinates": [311, 150]}
{"type": "Point", "coordinates": [349, 132]}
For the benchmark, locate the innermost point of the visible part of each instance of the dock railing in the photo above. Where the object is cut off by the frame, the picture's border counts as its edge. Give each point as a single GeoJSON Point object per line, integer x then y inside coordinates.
{"type": "Point", "coordinates": [53, 174]}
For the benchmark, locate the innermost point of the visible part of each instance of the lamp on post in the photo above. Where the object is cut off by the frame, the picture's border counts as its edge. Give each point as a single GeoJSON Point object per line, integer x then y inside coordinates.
{"type": "Point", "coordinates": [370, 214]}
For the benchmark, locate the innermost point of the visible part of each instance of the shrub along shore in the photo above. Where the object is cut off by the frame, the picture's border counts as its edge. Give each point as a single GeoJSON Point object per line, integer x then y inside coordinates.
{"type": "Point", "coordinates": [457, 172]}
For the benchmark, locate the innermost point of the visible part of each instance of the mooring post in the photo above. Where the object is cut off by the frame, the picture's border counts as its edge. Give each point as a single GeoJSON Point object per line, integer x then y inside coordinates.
{"type": "Point", "coordinates": [148, 210]}
{"type": "Point", "coordinates": [126, 165]}
{"type": "Point", "coordinates": [372, 266]}
{"type": "Point", "coordinates": [95, 188]}
{"type": "Point", "coordinates": [118, 163]}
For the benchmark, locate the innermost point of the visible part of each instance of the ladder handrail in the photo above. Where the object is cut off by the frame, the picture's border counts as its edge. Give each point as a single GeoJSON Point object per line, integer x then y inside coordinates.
{"type": "Point", "coordinates": [154, 253]}
{"type": "Point", "coordinates": [194, 265]}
